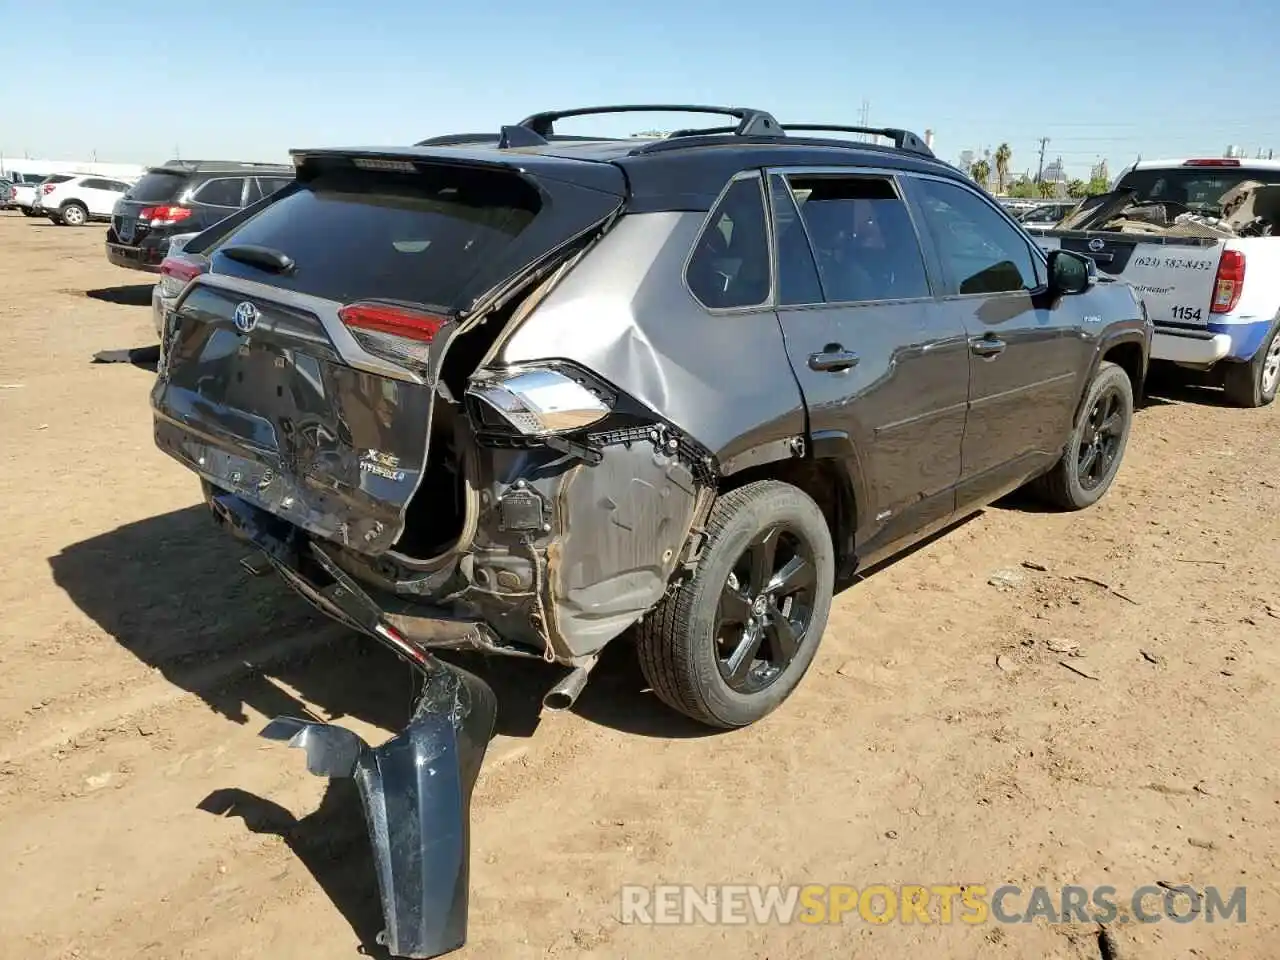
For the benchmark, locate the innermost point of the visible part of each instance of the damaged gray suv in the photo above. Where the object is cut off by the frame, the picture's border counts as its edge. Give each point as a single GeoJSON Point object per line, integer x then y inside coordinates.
{"type": "Point", "coordinates": [524, 392]}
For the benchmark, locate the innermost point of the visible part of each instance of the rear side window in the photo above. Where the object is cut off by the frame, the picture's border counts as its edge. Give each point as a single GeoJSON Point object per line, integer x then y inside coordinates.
{"type": "Point", "coordinates": [222, 192]}
{"type": "Point", "coordinates": [797, 273]}
{"type": "Point", "coordinates": [156, 187]}
{"type": "Point", "coordinates": [729, 266]}
{"type": "Point", "coordinates": [260, 187]}
{"type": "Point", "coordinates": [419, 238]}
{"type": "Point", "coordinates": [862, 238]}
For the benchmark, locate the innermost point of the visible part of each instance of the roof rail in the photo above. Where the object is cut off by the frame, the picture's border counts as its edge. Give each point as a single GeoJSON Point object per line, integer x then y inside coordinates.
{"type": "Point", "coordinates": [902, 139]}
{"type": "Point", "coordinates": [751, 122]}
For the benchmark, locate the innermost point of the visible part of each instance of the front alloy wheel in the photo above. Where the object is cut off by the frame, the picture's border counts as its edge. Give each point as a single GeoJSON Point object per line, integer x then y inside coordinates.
{"type": "Point", "coordinates": [1104, 433]}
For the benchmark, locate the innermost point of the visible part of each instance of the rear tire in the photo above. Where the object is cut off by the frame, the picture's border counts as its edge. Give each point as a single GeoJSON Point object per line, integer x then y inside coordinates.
{"type": "Point", "coordinates": [1253, 384]}
{"type": "Point", "coordinates": [1097, 444]}
{"type": "Point", "coordinates": [73, 215]}
{"type": "Point", "coordinates": [731, 643]}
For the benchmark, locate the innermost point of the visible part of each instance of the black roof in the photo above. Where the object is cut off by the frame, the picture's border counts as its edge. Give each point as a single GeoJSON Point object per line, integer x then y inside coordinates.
{"type": "Point", "coordinates": [684, 170]}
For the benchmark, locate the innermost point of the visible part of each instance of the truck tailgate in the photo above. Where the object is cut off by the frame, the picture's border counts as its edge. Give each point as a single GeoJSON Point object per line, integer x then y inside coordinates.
{"type": "Point", "coordinates": [1174, 275]}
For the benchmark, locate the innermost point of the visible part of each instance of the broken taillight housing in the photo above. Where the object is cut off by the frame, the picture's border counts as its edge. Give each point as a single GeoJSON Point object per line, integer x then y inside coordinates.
{"type": "Point", "coordinates": [164, 216]}
{"type": "Point", "coordinates": [393, 332]}
{"type": "Point", "coordinates": [177, 272]}
{"type": "Point", "coordinates": [539, 401]}
{"type": "Point", "coordinates": [1229, 283]}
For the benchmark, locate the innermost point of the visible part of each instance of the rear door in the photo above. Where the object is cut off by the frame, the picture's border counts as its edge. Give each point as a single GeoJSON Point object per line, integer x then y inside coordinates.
{"type": "Point", "coordinates": [308, 390]}
{"type": "Point", "coordinates": [1027, 357]}
{"type": "Point", "coordinates": [876, 359]}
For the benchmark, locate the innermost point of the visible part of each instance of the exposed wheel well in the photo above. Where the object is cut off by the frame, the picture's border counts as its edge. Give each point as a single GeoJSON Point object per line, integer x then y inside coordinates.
{"type": "Point", "coordinates": [1128, 356]}
{"type": "Point", "coordinates": [827, 482]}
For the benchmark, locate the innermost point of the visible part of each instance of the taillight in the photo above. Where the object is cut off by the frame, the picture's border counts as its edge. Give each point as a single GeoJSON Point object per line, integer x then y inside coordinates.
{"type": "Point", "coordinates": [177, 272]}
{"type": "Point", "coordinates": [164, 216]}
{"type": "Point", "coordinates": [1212, 162]}
{"type": "Point", "coordinates": [47, 187]}
{"type": "Point", "coordinates": [1229, 283]}
{"type": "Point", "coordinates": [393, 332]}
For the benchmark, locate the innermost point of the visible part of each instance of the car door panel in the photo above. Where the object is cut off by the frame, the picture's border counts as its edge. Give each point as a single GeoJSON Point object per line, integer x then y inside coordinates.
{"type": "Point", "coordinates": [1026, 354]}
{"type": "Point", "coordinates": [902, 401]}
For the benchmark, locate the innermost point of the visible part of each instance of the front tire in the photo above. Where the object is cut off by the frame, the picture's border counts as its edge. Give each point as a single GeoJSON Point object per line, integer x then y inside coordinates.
{"type": "Point", "coordinates": [1254, 384]}
{"type": "Point", "coordinates": [1097, 443]}
{"type": "Point", "coordinates": [732, 642]}
{"type": "Point", "coordinates": [73, 215]}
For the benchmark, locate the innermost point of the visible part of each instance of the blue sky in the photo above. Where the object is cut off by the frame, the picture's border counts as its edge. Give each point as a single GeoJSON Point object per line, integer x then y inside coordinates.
{"type": "Point", "coordinates": [132, 81]}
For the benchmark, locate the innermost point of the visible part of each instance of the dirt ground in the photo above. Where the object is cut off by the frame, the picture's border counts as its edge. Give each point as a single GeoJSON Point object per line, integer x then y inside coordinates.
{"type": "Point", "coordinates": [946, 733]}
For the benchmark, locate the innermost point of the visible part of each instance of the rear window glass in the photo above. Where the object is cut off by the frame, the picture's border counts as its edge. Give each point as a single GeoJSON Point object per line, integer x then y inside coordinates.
{"type": "Point", "coordinates": [1196, 188]}
{"type": "Point", "coordinates": [418, 237]}
{"type": "Point", "coordinates": [157, 187]}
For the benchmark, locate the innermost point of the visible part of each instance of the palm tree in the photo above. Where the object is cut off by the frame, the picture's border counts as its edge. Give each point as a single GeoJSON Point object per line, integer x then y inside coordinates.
{"type": "Point", "coordinates": [1048, 189]}
{"type": "Point", "coordinates": [981, 173]}
{"type": "Point", "coordinates": [1003, 156]}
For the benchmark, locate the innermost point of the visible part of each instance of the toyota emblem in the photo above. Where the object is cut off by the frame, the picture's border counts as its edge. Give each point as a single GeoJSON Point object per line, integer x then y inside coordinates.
{"type": "Point", "coordinates": [1096, 244]}
{"type": "Point", "coordinates": [246, 316]}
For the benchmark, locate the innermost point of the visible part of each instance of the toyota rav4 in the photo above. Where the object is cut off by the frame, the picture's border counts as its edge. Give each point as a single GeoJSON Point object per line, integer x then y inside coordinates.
{"type": "Point", "coordinates": [521, 393]}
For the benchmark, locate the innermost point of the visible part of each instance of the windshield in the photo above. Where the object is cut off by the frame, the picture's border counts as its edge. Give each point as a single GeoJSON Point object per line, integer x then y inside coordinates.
{"type": "Point", "coordinates": [1199, 189]}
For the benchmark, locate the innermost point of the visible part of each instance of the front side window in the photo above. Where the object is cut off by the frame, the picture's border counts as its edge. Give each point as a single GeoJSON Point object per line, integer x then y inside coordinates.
{"type": "Point", "coordinates": [862, 237]}
{"type": "Point", "coordinates": [730, 262]}
{"type": "Point", "coordinates": [980, 251]}
{"type": "Point", "coordinates": [224, 192]}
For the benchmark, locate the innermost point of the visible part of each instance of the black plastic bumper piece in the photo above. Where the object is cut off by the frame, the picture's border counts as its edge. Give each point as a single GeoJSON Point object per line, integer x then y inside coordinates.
{"type": "Point", "coordinates": [416, 792]}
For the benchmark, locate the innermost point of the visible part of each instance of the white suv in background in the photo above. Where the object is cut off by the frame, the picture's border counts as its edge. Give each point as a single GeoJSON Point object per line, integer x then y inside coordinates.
{"type": "Point", "coordinates": [81, 198]}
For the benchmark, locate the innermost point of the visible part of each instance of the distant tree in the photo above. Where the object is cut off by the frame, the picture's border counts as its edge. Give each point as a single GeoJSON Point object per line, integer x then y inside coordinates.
{"type": "Point", "coordinates": [1023, 189]}
{"type": "Point", "coordinates": [1077, 189]}
{"type": "Point", "coordinates": [1003, 156]}
{"type": "Point", "coordinates": [981, 173]}
{"type": "Point", "coordinates": [1097, 185]}
{"type": "Point", "coordinates": [1047, 189]}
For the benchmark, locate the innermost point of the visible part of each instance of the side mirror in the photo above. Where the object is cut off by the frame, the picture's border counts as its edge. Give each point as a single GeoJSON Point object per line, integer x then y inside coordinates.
{"type": "Point", "coordinates": [1070, 272]}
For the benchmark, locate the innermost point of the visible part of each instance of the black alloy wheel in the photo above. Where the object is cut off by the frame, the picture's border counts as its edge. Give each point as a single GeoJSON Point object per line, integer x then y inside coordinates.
{"type": "Point", "coordinates": [766, 609]}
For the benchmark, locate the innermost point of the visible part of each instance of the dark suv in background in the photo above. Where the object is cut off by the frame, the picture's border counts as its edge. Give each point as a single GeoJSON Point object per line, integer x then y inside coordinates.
{"type": "Point", "coordinates": [182, 197]}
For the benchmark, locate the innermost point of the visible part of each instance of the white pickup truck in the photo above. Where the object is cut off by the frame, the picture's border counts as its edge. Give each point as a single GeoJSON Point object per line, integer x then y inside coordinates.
{"type": "Point", "coordinates": [1200, 241]}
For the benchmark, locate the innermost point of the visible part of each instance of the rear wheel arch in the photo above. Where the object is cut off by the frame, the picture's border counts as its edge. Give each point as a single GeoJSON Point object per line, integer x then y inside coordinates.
{"type": "Point", "coordinates": [829, 477]}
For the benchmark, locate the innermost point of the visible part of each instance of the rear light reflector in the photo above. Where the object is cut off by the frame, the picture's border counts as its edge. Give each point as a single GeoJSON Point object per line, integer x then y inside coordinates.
{"type": "Point", "coordinates": [1212, 162]}
{"type": "Point", "coordinates": [164, 216]}
{"type": "Point", "coordinates": [393, 332]}
{"type": "Point", "coordinates": [177, 272]}
{"type": "Point", "coordinates": [1229, 283]}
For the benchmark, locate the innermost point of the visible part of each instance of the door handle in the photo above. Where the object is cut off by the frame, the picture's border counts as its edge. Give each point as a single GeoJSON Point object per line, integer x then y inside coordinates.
{"type": "Point", "coordinates": [988, 346]}
{"type": "Point", "coordinates": [834, 358]}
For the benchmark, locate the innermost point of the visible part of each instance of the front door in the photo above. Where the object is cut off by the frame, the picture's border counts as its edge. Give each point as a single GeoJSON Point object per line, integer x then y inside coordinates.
{"type": "Point", "coordinates": [1027, 356]}
{"type": "Point", "coordinates": [877, 362]}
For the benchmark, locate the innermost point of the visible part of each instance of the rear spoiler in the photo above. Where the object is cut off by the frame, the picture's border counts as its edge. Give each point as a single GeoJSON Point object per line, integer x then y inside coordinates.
{"type": "Point", "coordinates": [597, 175]}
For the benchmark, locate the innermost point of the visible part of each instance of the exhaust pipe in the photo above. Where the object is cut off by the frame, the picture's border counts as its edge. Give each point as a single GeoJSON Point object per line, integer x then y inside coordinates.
{"type": "Point", "coordinates": [565, 693]}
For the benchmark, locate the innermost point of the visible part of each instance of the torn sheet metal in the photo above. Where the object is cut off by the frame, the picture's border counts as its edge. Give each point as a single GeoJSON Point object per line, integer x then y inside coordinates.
{"type": "Point", "coordinates": [1250, 209]}
{"type": "Point", "coordinates": [416, 793]}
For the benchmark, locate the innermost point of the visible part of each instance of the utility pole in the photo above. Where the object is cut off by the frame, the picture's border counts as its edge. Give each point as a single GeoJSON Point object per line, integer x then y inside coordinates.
{"type": "Point", "coordinates": [1044, 141]}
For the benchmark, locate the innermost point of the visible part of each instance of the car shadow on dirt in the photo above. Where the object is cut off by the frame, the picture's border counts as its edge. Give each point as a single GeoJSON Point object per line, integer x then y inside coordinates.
{"type": "Point", "coordinates": [172, 591]}
{"type": "Point", "coordinates": [129, 295]}
{"type": "Point", "coordinates": [331, 842]}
